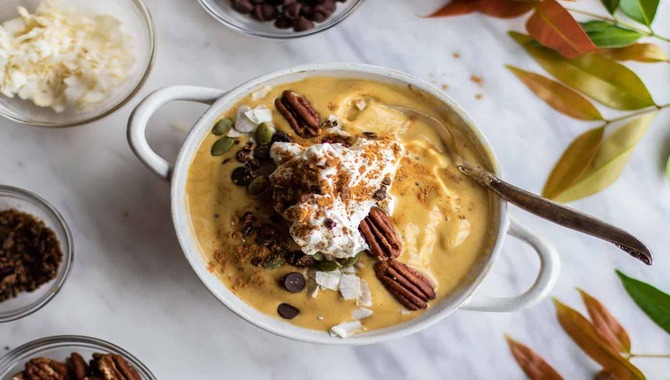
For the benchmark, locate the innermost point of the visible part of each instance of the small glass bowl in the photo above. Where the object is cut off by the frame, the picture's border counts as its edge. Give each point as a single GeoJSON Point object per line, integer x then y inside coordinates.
{"type": "Point", "coordinates": [136, 22]}
{"type": "Point", "coordinates": [27, 303]}
{"type": "Point", "coordinates": [59, 348]}
{"type": "Point", "coordinates": [223, 11]}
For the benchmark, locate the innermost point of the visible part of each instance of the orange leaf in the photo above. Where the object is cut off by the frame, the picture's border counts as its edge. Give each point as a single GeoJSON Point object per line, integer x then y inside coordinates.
{"type": "Point", "coordinates": [605, 323]}
{"type": "Point", "coordinates": [645, 52]}
{"type": "Point", "coordinates": [457, 8]}
{"type": "Point", "coordinates": [505, 8]}
{"type": "Point", "coordinates": [531, 363]}
{"type": "Point", "coordinates": [560, 97]}
{"type": "Point", "coordinates": [587, 338]}
{"type": "Point", "coordinates": [554, 27]}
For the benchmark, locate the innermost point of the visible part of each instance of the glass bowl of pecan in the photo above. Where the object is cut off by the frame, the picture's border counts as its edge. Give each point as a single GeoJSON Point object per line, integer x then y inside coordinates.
{"type": "Point", "coordinates": [280, 19]}
{"type": "Point", "coordinates": [36, 253]}
{"type": "Point", "coordinates": [73, 358]}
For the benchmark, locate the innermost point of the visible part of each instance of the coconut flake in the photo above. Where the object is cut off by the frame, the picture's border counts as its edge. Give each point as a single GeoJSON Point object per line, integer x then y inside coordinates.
{"type": "Point", "coordinates": [347, 329]}
{"type": "Point", "coordinates": [262, 93]}
{"type": "Point", "coordinates": [361, 104]}
{"type": "Point", "coordinates": [361, 313]}
{"type": "Point", "coordinates": [259, 115]}
{"type": "Point", "coordinates": [329, 280]}
{"type": "Point", "coordinates": [242, 122]}
{"type": "Point", "coordinates": [366, 296]}
{"type": "Point", "coordinates": [350, 287]}
{"type": "Point", "coordinates": [464, 229]}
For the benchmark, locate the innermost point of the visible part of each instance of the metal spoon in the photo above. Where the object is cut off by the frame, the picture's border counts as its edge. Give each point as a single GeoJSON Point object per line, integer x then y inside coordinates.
{"type": "Point", "coordinates": [542, 207]}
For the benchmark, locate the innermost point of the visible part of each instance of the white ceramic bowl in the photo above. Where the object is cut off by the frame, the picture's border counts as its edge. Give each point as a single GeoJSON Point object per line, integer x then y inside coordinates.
{"type": "Point", "coordinates": [463, 297]}
{"type": "Point", "coordinates": [136, 22]}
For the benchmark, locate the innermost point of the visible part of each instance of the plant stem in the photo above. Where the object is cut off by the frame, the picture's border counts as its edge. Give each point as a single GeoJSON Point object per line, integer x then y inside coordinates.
{"type": "Point", "coordinates": [655, 356]}
{"type": "Point", "coordinates": [637, 113]}
{"type": "Point", "coordinates": [615, 21]}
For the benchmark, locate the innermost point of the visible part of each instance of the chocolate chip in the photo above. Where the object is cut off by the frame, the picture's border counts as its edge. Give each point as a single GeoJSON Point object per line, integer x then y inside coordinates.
{"type": "Point", "coordinates": [264, 12]}
{"type": "Point", "coordinates": [244, 155]}
{"type": "Point", "coordinates": [284, 22]}
{"type": "Point", "coordinates": [329, 223]}
{"type": "Point", "coordinates": [292, 11]}
{"type": "Point", "coordinates": [281, 137]}
{"type": "Point", "coordinates": [243, 6]}
{"type": "Point", "coordinates": [287, 311]}
{"type": "Point", "coordinates": [386, 181]}
{"type": "Point", "coordinates": [370, 135]}
{"type": "Point", "coordinates": [262, 152]}
{"type": "Point", "coordinates": [242, 176]}
{"type": "Point", "coordinates": [253, 164]}
{"type": "Point", "coordinates": [266, 235]}
{"type": "Point", "coordinates": [303, 24]}
{"type": "Point", "coordinates": [294, 282]}
{"type": "Point", "coordinates": [319, 13]}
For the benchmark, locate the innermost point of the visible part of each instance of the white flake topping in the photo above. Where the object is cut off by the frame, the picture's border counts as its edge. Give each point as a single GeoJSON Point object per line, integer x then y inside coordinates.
{"type": "Point", "coordinates": [347, 329]}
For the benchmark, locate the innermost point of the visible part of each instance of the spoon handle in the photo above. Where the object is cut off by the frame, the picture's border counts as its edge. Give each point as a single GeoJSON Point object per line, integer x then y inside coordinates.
{"type": "Point", "coordinates": [565, 216]}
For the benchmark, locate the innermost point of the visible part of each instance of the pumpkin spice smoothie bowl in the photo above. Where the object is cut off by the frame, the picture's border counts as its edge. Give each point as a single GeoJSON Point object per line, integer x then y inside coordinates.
{"type": "Point", "coordinates": [318, 203]}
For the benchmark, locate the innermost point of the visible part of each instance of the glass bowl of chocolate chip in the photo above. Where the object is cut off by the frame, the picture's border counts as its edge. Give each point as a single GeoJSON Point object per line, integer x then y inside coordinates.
{"type": "Point", "coordinates": [280, 19]}
{"type": "Point", "coordinates": [72, 357]}
{"type": "Point", "coordinates": [36, 253]}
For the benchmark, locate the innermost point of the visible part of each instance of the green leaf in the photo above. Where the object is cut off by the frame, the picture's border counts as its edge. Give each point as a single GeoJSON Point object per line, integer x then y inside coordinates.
{"type": "Point", "coordinates": [573, 163]}
{"type": "Point", "coordinates": [560, 97]}
{"type": "Point", "coordinates": [642, 11]}
{"type": "Point", "coordinates": [610, 5]}
{"type": "Point", "coordinates": [609, 161]}
{"type": "Point", "coordinates": [582, 332]}
{"type": "Point", "coordinates": [607, 35]}
{"type": "Point", "coordinates": [655, 303]}
{"type": "Point", "coordinates": [601, 78]}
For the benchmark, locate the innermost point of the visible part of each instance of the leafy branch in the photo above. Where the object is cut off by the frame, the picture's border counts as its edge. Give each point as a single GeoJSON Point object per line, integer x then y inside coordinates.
{"type": "Point", "coordinates": [584, 60]}
{"type": "Point", "coordinates": [601, 336]}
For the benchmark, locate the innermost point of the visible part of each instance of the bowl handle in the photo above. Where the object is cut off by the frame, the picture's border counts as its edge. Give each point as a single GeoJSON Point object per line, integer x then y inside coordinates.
{"type": "Point", "coordinates": [137, 124]}
{"type": "Point", "coordinates": [545, 281]}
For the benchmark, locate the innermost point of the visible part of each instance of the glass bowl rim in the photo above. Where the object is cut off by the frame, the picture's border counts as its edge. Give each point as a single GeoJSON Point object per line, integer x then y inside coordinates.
{"type": "Point", "coordinates": [68, 256]}
{"type": "Point", "coordinates": [149, 24]}
{"type": "Point", "coordinates": [274, 36]}
{"type": "Point", "coordinates": [58, 341]}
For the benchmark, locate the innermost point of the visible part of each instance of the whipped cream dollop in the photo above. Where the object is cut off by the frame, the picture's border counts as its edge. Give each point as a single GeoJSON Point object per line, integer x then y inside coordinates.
{"type": "Point", "coordinates": [326, 190]}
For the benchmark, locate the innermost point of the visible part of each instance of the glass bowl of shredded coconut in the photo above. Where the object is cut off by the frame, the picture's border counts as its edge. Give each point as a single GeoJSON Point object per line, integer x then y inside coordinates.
{"type": "Point", "coordinates": [65, 63]}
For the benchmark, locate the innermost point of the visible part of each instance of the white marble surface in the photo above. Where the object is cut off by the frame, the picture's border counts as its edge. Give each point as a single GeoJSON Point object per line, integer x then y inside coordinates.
{"type": "Point", "coordinates": [131, 285]}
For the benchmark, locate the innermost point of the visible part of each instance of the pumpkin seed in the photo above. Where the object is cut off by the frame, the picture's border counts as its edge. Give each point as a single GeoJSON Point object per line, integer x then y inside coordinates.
{"type": "Point", "coordinates": [258, 185]}
{"type": "Point", "coordinates": [264, 133]}
{"type": "Point", "coordinates": [328, 266]}
{"type": "Point", "coordinates": [222, 127]}
{"type": "Point", "coordinates": [222, 145]}
{"type": "Point", "coordinates": [273, 262]}
{"type": "Point", "coordinates": [349, 261]}
{"type": "Point", "coordinates": [318, 256]}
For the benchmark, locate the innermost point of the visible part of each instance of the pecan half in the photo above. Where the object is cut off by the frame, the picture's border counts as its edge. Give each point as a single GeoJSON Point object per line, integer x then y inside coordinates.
{"type": "Point", "coordinates": [380, 234]}
{"type": "Point", "coordinates": [300, 114]}
{"type": "Point", "coordinates": [409, 287]}
{"type": "Point", "coordinates": [113, 367]}
{"type": "Point", "coordinates": [78, 366]}
{"type": "Point", "coordinates": [44, 369]}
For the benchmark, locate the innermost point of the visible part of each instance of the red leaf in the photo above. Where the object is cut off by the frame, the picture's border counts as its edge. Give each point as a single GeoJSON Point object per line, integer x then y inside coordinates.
{"type": "Point", "coordinates": [554, 27]}
{"type": "Point", "coordinates": [457, 8]}
{"type": "Point", "coordinates": [505, 8]}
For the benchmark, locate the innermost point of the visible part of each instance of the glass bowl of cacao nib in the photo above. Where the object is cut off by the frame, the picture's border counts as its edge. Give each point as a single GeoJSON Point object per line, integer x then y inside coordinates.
{"type": "Point", "coordinates": [280, 19]}
{"type": "Point", "coordinates": [77, 357]}
{"type": "Point", "coordinates": [36, 253]}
